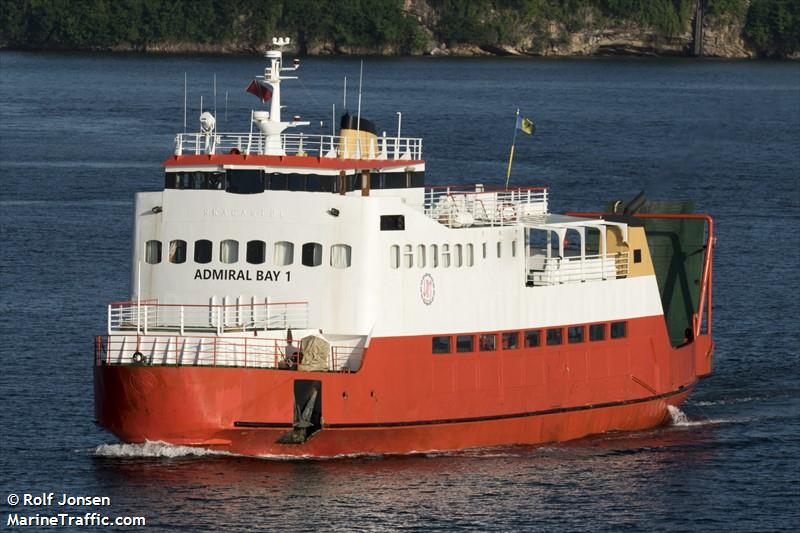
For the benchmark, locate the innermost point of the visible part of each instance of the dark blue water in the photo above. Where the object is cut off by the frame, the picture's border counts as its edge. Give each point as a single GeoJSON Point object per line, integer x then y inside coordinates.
{"type": "Point", "coordinates": [79, 134]}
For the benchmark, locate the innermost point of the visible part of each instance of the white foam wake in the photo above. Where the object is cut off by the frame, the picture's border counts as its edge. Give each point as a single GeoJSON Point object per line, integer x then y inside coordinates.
{"type": "Point", "coordinates": [680, 419]}
{"type": "Point", "coordinates": [152, 449]}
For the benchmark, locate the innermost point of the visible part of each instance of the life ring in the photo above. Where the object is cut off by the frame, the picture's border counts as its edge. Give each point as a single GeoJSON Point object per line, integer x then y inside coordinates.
{"type": "Point", "coordinates": [507, 212]}
{"type": "Point", "coordinates": [138, 358]}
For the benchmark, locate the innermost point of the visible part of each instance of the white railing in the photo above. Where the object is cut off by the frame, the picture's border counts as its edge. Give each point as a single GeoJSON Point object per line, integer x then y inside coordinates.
{"type": "Point", "coordinates": [461, 206]}
{"type": "Point", "coordinates": [543, 271]}
{"type": "Point", "coordinates": [300, 144]}
{"type": "Point", "coordinates": [149, 315]}
{"type": "Point", "coordinates": [196, 350]}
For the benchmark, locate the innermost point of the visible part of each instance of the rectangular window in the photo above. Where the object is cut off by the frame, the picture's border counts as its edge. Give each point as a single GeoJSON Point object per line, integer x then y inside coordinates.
{"type": "Point", "coordinates": [619, 330]}
{"type": "Point", "coordinates": [597, 332]}
{"type": "Point", "coordinates": [229, 251]}
{"type": "Point", "coordinates": [445, 256]}
{"type": "Point", "coordinates": [465, 343]}
{"type": "Point", "coordinates": [554, 336]}
{"type": "Point", "coordinates": [499, 249]}
{"type": "Point", "coordinates": [393, 222]}
{"type": "Point", "coordinates": [341, 255]}
{"type": "Point", "coordinates": [511, 340]}
{"type": "Point", "coordinates": [152, 252]}
{"type": "Point", "coordinates": [408, 256]}
{"type": "Point", "coordinates": [441, 345]}
{"type": "Point", "coordinates": [420, 256]}
{"type": "Point", "coordinates": [434, 255]}
{"type": "Point", "coordinates": [394, 256]}
{"type": "Point", "coordinates": [202, 251]}
{"type": "Point", "coordinates": [483, 247]}
{"type": "Point", "coordinates": [458, 255]}
{"type": "Point", "coordinates": [575, 334]}
{"type": "Point", "coordinates": [513, 248]}
{"type": "Point", "coordinates": [533, 338]}
{"type": "Point", "coordinates": [312, 254]}
{"type": "Point", "coordinates": [470, 255]}
{"type": "Point", "coordinates": [637, 255]}
{"type": "Point", "coordinates": [177, 251]}
{"type": "Point", "coordinates": [245, 181]}
{"type": "Point", "coordinates": [256, 252]}
{"type": "Point", "coordinates": [487, 342]}
{"type": "Point", "coordinates": [284, 253]}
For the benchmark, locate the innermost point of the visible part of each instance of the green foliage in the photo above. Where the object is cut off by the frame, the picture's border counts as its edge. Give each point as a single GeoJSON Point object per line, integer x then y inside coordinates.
{"type": "Point", "coordinates": [773, 26]}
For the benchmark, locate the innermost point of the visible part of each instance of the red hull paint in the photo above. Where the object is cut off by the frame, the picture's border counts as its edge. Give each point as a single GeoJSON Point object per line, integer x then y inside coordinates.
{"type": "Point", "coordinates": [327, 163]}
{"type": "Point", "coordinates": [405, 399]}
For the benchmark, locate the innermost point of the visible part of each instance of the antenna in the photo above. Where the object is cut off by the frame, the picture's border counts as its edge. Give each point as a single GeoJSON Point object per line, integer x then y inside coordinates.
{"type": "Point", "coordinates": [344, 99]}
{"type": "Point", "coordinates": [226, 107]}
{"type": "Point", "coordinates": [215, 95]}
{"type": "Point", "coordinates": [201, 104]}
{"type": "Point", "coordinates": [360, 77]}
{"type": "Point", "coordinates": [333, 122]}
{"type": "Point", "coordinates": [184, 101]}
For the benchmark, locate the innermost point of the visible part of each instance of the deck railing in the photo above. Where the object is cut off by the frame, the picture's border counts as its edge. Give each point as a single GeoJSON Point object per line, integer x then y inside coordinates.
{"type": "Point", "coordinates": [465, 206]}
{"type": "Point", "coordinates": [199, 350]}
{"type": "Point", "coordinates": [299, 144]}
{"type": "Point", "coordinates": [148, 315]}
{"type": "Point", "coordinates": [556, 270]}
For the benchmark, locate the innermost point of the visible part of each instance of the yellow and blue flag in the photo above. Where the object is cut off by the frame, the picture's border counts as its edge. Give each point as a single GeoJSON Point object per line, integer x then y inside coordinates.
{"type": "Point", "coordinates": [525, 125]}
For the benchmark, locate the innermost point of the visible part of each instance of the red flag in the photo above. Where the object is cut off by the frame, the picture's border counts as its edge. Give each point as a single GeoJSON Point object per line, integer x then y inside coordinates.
{"type": "Point", "coordinates": [261, 89]}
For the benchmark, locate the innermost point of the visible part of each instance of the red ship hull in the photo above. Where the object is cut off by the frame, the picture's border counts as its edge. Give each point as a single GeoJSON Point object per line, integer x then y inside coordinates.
{"type": "Point", "coordinates": [405, 399]}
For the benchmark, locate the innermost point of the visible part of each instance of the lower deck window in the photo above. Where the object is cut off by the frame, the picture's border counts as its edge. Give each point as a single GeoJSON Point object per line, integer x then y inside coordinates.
{"type": "Point", "coordinates": [511, 340]}
{"type": "Point", "coordinates": [487, 342]}
{"type": "Point", "coordinates": [619, 330]}
{"type": "Point", "coordinates": [177, 251]}
{"type": "Point", "coordinates": [533, 338]}
{"type": "Point", "coordinates": [575, 334]}
{"type": "Point", "coordinates": [312, 254]}
{"type": "Point", "coordinates": [256, 252]}
{"type": "Point", "coordinates": [341, 256]}
{"type": "Point", "coordinates": [597, 332]}
{"type": "Point", "coordinates": [465, 343]}
{"type": "Point", "coordinates": [441, 345]}
{"type": "Point", "coordinates": [554, 336]}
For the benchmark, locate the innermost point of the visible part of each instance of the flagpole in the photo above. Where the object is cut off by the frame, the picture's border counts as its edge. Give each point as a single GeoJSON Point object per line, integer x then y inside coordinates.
{"type": "Point", "coordinates": [511, 152]}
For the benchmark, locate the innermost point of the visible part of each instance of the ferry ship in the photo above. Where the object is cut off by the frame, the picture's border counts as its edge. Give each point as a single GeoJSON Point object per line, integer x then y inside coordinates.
{"type": "Point", "coordinates": [302, 295]}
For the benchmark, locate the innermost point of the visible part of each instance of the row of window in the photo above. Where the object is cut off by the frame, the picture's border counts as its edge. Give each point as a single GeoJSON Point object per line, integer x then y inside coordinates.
{"type": "Point", "coordinates": [512, 340]}
{"type": "Point", "coordinates": [251, 181]}
{"type": "Point", "coordinates": [255, 253]}
{"type": "Point", "coordinates": [444, 255]}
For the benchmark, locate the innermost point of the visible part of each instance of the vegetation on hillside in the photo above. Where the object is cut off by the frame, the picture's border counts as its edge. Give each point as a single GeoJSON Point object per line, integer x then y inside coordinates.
{"type": "Point", "coordinates": [772, 26]}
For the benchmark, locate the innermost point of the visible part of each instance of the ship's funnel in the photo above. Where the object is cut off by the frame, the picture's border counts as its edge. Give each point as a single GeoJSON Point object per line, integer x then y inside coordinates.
{"type": "Point", "coordinates": [635, 204]}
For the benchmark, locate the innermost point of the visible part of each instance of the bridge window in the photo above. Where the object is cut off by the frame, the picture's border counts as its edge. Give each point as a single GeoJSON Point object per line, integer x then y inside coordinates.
{"type": "Point", "coordinates": [499, 249]}
{"type": "Point", "coordinates": [284, 253]}
{"type": "Point", "coordinates": [487, 342]}
{"type": "Point", "coordinates": [514, 248]}
{"type": "Point", "coordinates": [420, 256]}
{"type": "Point", "coordinates": [256, 252]}
{"type": "Point", "coordinates": [597, 332]}
{"type": "Point", "coordinates": [619, 330]}
{"type": "Point", "coordinates": [229, 251]}
{"type": "Point", "coordinates": [312, 254]}
{"type": "Point", "coordinates": [465, 343]}
{"type": "Point", "coordinates": [470, 255]}
{"type": "Point", "coordinates": [441, 345]}
{"type": "Point", "coordinates": [554, 336]}
{"type": "Point", "coordinates": [393, 222]}
{"type": "Point", "coordinates": [483, 246]}
{"type": "Point", "coordinates": [575, 334]}
{"type": "Point", "coordinates": [341, 255]}
{"type": "Point", "coordinates": [511, 340]}
{"type": "Point", "coordinates": [408, 256]}
{"type": "Point", "coordinates": [458, 255]}
{"type": "Point", "coordinates": [394, 256]}
{"type": "Point", "coordinates": [177, 251]}
{"type": "Point", "coordinates": [202, 251]}
{"type": "Point", "coordinates": [533, 338]}
{"type": "Point", "coordinates": [152, 252]}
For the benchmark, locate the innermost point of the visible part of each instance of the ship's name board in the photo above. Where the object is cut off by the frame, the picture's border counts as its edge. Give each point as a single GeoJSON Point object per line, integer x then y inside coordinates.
{"type": "Point", "coordinates": [242, 212]}
{"type": "Point", "coordinates": [232, 274]}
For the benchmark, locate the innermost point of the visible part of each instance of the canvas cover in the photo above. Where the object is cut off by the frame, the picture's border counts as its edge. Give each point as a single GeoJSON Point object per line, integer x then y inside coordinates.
{"type": "Point", "coordinates": [315, 352]}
